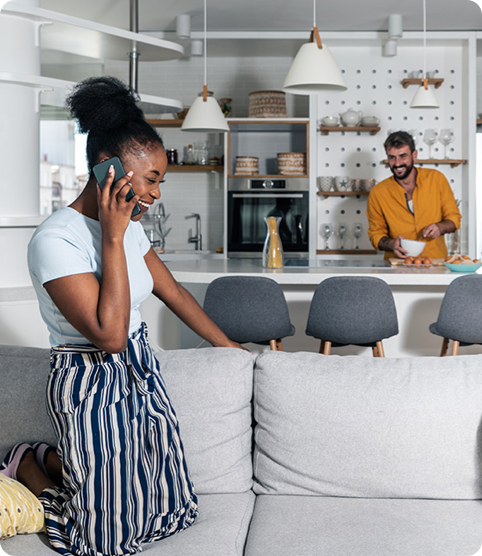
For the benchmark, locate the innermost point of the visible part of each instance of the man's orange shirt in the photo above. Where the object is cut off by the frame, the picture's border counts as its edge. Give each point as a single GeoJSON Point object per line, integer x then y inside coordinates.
{"type": "Point", "coordinates": [433, 201]}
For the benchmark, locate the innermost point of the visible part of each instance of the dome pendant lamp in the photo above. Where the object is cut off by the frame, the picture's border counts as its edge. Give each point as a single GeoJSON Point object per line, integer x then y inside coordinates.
{"type": "Point", "coordinates": [314, 70]}
{"type": "Point", "coordinates": [205, 113]}
{"type": "Point", "coordinates": [424, 97]}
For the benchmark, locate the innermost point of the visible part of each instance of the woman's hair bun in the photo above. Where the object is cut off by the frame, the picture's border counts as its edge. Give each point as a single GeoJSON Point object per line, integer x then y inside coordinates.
{"type": "Point", "coordinates": [100, 104]}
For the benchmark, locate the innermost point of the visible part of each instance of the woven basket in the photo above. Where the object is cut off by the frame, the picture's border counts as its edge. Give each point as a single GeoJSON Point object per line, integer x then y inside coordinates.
{"type": "Point", "coordinates": [292, 163]}
{"type": "Point", "coordinates": [267, 104]}
{"type": "Point", "coordinates": [246, 166]}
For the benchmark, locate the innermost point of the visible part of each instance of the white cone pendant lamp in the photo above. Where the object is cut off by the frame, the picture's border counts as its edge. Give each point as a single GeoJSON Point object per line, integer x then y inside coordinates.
{"type": "Point", "coordinates": [314, 69]}
{"type": "Point", "coordinates": [205, 113]}
{"type": "Point", "coordinates": [424, 97]}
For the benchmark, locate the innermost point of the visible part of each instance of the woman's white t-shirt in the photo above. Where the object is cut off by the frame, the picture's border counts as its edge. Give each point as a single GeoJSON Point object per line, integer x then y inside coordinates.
{"type": "Point", "coordinates": [69, 243]}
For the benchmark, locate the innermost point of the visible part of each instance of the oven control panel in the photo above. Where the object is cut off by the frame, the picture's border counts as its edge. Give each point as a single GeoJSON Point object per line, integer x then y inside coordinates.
{"type": "Point", "coordinates": [267, 184]}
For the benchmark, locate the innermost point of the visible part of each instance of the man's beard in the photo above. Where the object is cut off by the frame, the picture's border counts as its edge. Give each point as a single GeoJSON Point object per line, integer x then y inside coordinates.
{"type": "Point", "coordinates": [405, 175]}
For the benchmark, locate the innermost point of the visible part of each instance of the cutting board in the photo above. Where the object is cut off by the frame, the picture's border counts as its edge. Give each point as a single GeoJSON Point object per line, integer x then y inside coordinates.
{"type": "Point", "coordinates": [401, 262]}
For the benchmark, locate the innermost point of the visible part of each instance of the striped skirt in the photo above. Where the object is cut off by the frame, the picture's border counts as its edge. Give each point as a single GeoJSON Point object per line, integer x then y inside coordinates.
{"type": "Point", "coordinates": [125, 477]}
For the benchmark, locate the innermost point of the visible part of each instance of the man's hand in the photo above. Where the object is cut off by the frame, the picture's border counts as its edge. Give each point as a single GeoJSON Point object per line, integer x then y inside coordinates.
{"type": "Point", "coordinates": [387, 244]}
{"type": "Point", "coordinates": [432, 231]}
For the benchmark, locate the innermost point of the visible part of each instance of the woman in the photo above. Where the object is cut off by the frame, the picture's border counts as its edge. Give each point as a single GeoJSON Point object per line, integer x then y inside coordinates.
{"type": "Point", "coordinates": [125, 480]}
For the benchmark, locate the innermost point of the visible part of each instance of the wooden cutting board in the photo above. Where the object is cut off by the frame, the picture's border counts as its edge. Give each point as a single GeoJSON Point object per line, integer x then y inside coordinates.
{"type": "Point", "coordinates": [401, 262]}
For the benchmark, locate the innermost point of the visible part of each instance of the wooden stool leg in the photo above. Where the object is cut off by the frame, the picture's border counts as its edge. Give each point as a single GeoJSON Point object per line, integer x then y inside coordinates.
{"type": "Point", "coordinates": [381, 352]}
{"type": "Point", "coordinates": [445, 346]}
{"type": "Point", "coordinates": [455, 347]}
{"type": "Point", "coordinates": [276, 345]}
{"type": "Point", "coordinates": [325, 347]}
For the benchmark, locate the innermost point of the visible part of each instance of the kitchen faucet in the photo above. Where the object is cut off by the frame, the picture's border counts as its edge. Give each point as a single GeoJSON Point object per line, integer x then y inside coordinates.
{"type": "Point", "coordinates": [198, 238]}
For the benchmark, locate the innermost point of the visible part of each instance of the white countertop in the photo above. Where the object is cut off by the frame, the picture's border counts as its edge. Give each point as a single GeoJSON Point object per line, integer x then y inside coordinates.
{"type": "Point", "coordinates": [204, 271]}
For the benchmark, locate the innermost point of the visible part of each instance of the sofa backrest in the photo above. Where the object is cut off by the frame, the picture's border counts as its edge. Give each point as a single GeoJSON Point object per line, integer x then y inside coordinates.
{"type": "Point", "coordinates": [23, 415]}
{"type": "Point", "coordinates": [211, 391]}
{"type": "Point", "coordinates": [362, 427]}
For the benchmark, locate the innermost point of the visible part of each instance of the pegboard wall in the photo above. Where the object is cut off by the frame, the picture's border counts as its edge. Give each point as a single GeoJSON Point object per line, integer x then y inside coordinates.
{"type": "Point", "coordinates": [374, 87]}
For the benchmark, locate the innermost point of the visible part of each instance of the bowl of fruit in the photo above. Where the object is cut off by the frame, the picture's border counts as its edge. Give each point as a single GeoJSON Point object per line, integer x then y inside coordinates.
{"type": "Point", "coordinates": [462, 263]}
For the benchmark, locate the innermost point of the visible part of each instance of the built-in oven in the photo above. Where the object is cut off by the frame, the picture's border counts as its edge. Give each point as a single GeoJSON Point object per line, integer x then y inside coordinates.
{"type": "Point", "coordinates": [251, 200]}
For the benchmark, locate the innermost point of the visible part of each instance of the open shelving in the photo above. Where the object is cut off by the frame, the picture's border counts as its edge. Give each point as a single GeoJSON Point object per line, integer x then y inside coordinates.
{"type": "Point", "coordinates": [435, 81]}
{"type": "Point", "coordinates": [453, 162]}
{"type": "Point", "coordinates": [326, 129]}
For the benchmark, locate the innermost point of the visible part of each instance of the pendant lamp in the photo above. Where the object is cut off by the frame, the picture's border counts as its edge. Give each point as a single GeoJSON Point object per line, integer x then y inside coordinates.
{"type": "Point", "coordinates": [424, 97]}
{"type": "Point", "coordinates": [205, 113]}
{"type": "Point", "coordinates": [314, 70]}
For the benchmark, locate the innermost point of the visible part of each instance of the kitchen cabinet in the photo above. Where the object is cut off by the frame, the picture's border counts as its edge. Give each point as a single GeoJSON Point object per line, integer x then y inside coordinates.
{"type": "Point", "coordinates": [265, 138]}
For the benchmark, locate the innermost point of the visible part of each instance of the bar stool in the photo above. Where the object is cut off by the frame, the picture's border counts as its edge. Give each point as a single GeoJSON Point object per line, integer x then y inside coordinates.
{"type": "Point", "coordinates": [352, 310]}
{"type": "Point", "coordinates": [249, 309]}
{"type": "Point", "coordinates": [460, 314]}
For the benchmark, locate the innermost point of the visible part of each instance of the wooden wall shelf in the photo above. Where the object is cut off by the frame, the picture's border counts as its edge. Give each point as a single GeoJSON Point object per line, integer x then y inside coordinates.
{"type": "Point", "coordinates": [164, 123]}
{"type": "Point", "coordinates": [346, 252]}
{"type": "Point", "coordinates": [341, 193]}
{"type": "Point", "coordinates": [453, 163]}
{"type": "Point", "coordinates": [178, 168]}
{"type": "Point", "coordinates": [326, 129]}
{"type": "Point", "coordinates": [268, 176]}
{"type": "Point", "coordinates": [435, 81]}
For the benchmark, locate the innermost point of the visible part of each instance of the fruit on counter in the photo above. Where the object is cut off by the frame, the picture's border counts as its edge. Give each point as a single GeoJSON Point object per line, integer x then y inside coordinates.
{"type": "Point", "coordinates": [461, 259]}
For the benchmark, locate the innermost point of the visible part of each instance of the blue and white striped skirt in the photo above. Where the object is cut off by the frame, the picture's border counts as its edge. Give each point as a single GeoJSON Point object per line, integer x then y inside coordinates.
{"type": "Point", "coordinates": [125, 477]}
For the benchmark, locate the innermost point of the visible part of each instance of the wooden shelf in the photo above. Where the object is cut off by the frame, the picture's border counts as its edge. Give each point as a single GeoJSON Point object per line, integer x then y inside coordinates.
{"type": "Point", "coordinates": [164, 123]}
{"type": "Point", "coordinates": [341, 193]}
{"type": "Point", "coordinates": [194, 168]}
{"type": "Point", "coordinates": [371, 129]}
{"type": "Point", "coordinates": [346, 251]}
{"type": "Point", "coordinates": [435, 81]}
{"type": "Point", "coordinates": [453, 163]}
{"type": "Point", "coordinates": [268, 176]}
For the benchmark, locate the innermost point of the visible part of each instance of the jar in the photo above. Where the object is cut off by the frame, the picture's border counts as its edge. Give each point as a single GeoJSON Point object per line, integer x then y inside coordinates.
{"type": "Point", "coordinates": [171, 156]}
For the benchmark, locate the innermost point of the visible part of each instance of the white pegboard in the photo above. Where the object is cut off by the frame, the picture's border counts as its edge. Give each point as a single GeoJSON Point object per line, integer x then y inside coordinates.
{"type": "Point", "coordinates": [374, 87]}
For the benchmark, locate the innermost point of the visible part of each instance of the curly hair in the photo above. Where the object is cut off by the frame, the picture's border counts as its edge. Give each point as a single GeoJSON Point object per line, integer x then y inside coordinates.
{"type": "Point", "coordinates": [106, 109]}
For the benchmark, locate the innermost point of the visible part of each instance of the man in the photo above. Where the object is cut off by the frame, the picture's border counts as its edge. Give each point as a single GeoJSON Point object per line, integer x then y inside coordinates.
{"type": "Point", "coordinates": [416, 203]}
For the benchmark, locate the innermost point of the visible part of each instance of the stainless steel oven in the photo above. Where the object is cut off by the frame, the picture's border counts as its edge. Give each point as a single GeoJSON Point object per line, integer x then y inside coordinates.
{"type": "Point", "coordinates": [251, 200]}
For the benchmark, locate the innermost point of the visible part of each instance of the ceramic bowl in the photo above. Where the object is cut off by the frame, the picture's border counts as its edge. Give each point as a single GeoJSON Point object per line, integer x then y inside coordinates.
{"type": "Point", "coordinates": [370, 121]}
{"type": "Point", "coordinates": [463, 267]}
{"type": "Point", "coordinates": [330, 120]}
{"type": "Point", "coordinates": [413, 247]}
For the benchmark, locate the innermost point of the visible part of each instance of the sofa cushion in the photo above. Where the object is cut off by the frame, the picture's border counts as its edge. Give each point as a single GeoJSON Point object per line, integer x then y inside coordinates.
{"type": "Point", "coordinates": [23, 415]}
{"type": "Point", "coordinates": [365, 427]}
{"type": "Point", "coordinates": [211, 391]}
{"type": "Point", "coordinates": [220, 530]}
{"type": "Point", "coordinates": [324, 526]}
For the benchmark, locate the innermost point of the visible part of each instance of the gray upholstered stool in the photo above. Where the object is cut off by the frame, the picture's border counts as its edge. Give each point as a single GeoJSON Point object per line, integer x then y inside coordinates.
{"type": "Point", "coordinates": [249, 309]}
{"type": "Point", "coordinates": [460, 316]}
{"type": "Point", "coordinates": [352, 310]}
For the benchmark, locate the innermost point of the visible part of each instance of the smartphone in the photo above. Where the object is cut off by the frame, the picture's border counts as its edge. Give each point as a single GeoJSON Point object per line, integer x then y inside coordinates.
{"type": "Point", "coordinates": [101, 171]}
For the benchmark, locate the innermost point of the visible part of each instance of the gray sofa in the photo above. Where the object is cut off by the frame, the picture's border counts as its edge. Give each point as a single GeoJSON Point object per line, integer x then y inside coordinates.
{"type": "Point", "coordinates": [303, 455]}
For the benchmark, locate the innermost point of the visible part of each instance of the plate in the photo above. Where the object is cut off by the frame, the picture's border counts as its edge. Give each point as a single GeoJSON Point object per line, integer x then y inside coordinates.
{"type": "Point", "coordinates": [463, 267]}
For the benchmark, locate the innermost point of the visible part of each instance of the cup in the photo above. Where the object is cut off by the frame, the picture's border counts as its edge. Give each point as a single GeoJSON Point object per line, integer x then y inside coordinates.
{"type": "Point", "coordinates": [415, 74]}
{"type": "Point", "coordinates": [325, 183]}
{"type": "Point", "coordinates": [430, 74]}
{"type": "Point", "coordinates": [368, 184]}
{"type": "Point", "coordinates": [357, 184]}
{"type": "Point", "coordinates": [342, 183]}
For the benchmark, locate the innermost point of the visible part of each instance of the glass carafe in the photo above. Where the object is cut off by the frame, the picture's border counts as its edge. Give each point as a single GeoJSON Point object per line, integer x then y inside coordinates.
{"type": "Point", "coordinates": [273, 248]}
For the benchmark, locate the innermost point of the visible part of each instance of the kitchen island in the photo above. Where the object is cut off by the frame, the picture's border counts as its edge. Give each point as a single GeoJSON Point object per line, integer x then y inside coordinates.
{"type": "Point", "coordinates": [418, 293]}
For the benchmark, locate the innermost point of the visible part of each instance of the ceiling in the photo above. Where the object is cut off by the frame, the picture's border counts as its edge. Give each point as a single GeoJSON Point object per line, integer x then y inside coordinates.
{"type": "Point", "coordinates": [277, 15]}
